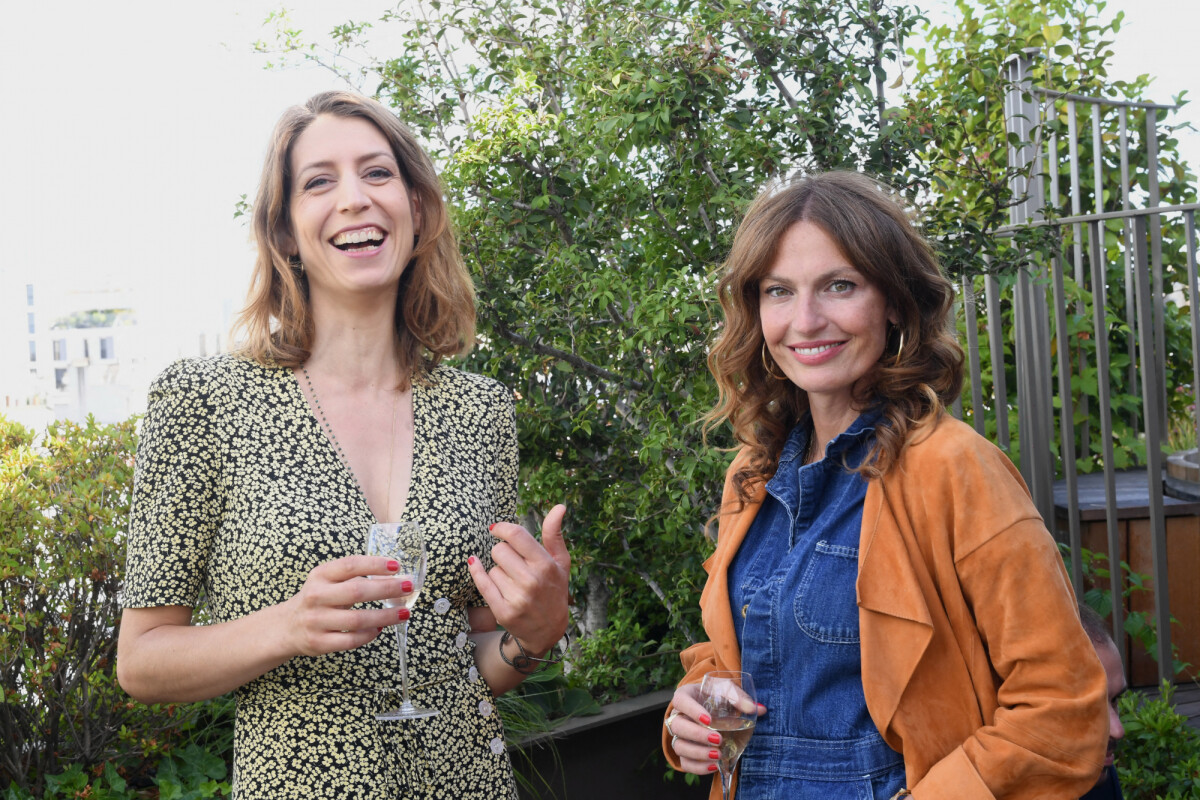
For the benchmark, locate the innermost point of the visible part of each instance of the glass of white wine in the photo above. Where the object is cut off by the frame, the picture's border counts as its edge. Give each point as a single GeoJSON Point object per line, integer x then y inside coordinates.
{"type": "Point", "coordinates": [402, 542]}
{"type": "Point", "coordinates": [729, 699]}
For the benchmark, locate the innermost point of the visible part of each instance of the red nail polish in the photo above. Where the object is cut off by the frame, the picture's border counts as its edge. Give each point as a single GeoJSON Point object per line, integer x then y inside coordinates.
{"type": "Point", "coordinates": [705, 719]}
{"type": "Point", "coordinates": [715, 738]}
{"type": "Point", "coordinates": [379, 629]}
{"type": "Point", "coordinates": [761, 707]}
{"type": "Point", "coordinates": [471, 559]}
{"type": "Point", "coordinates": [403, 614]}
{"type": "Point", "coordinates": [406, 585]}
{"type": "Point", "coordinates": [393, 566]}
{"type": "Point", "coordinates": [714, 754]}
{"type": "Point", "coordinates": [491, 526]}
{"type": "Point", "coordinates": [712, 767]}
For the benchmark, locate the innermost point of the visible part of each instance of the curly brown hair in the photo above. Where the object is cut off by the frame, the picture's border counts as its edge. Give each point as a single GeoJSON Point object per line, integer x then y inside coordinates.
{"type": "Point", "coordinates": [911, 386]}
{"type": "Point", "coordinates": [435, 305]}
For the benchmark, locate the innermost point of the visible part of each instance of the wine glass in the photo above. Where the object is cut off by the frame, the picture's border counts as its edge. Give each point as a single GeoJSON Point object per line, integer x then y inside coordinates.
{"type": "Point", "coordinates": [729, 699]}
{"type": "Point", "coordinates": [402, 542]}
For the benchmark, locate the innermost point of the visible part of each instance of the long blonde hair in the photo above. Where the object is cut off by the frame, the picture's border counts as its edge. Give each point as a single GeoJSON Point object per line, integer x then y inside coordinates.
{"type": "Point", "coordinates": [912, 386]}
{"type": "Point", "coordinates": [435, 306]}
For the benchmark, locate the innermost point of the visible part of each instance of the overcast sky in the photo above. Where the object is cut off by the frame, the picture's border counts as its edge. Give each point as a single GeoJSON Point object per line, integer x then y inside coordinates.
{"type": "Point", "coordinates": [130, 130]}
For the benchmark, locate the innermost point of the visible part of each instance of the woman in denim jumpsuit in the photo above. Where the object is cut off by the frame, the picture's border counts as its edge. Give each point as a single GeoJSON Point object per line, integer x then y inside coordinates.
{"type": "Point", "coordinates": [835, 350]}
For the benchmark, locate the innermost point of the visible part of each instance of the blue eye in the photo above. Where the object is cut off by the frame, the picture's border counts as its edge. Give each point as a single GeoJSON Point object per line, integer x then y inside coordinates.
{"type": "Point", "coordinates": [315, 183]}
{"type": "Point", "coordinates": [379, 173]}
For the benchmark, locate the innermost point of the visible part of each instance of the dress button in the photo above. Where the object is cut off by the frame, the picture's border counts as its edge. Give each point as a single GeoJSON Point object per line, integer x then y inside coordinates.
{"type": "Point", "coordinates": [473, 675]}
{"type": "Point", "coordinates": [485, 708]}
{"type": "Point", "coordinates": [497, 745]}
{"type": "Point", "coordinates": [442, 605]}
{"type": "Point", "coordinates": [460, 641]}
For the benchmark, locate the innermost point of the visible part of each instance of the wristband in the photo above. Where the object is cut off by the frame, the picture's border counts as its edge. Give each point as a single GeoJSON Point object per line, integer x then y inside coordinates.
{"type": "Point", "coordinates": [525, 663]}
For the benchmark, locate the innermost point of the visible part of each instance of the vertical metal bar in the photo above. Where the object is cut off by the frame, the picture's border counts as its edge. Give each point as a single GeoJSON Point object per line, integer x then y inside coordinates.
{"type": "Point", "coordinates": [971, 323]}
{"type": "Point", "coordinates": [1127, 237]}
{"type": "Point", "coordinates": [956, 408]}
{"type": "Point", "coordinates": [1189, 221]}
{"type": "Point", "coordinates": [1076, 189]}
{"type": "Point", "coordinates": [1100, 331]}
{"type": "Point", "coordinates": [1085, 444]}
{"type": "Point", "coordinates": [1157, 308]}
{"type": "Point", "coordinates": [1154, 465]}
{"type": "Point", "coordinates": [1066, 426]}
{"type": "Point", "coordinates": [991, 289]}
{"type": "Point", "coordinates": [1097, 160]}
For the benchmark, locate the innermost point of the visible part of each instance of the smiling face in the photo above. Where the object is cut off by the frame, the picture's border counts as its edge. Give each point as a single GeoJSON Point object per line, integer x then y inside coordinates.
{"type": "Point", "coordinates": [824, 324]}
{"type": "Point", "coordinates": [353, 219]}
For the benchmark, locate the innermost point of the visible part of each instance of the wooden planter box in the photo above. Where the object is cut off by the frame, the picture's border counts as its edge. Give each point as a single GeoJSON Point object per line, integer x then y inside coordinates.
{"type": "Point", "coordinates": [1133, 526]}
{"type": "Point", "coordinates": [615, 754]}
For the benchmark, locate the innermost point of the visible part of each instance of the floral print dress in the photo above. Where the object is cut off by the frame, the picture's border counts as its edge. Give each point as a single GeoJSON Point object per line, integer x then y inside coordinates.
{"type": "Point", "coordinates": [239, 494]}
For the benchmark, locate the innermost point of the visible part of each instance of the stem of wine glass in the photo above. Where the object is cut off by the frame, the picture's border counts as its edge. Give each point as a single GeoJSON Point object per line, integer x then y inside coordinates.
{"type": "Point", "coordinates": [402, 650]}
{"type": "Point", "coordinates": [726, 781]}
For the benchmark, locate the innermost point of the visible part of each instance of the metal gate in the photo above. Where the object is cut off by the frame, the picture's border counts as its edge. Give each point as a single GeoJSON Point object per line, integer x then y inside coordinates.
{"type": "Point", "coordinates": [1047, 160]}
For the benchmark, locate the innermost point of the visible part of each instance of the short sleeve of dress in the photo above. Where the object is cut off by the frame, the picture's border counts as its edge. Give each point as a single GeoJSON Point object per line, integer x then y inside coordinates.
{"type": "Point", "coordinates": [176, 506]}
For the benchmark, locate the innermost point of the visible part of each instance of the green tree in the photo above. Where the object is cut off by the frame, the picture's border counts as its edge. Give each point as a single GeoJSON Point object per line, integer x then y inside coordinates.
{"type": "Point", "coordinates": [597, 155]}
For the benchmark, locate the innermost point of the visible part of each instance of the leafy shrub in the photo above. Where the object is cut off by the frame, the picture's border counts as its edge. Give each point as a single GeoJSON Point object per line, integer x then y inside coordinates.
{"type": "Point", "coordinates": [1160, 755]}
{"type": "Point", "coordinates": [64, 499]}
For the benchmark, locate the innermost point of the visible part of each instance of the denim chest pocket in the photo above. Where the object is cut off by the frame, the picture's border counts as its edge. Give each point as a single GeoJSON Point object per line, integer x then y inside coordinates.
{"type": "Point", "coordinates": [824, 606]}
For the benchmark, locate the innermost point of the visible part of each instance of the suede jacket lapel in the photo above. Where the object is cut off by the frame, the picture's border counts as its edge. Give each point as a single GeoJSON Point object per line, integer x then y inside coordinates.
{"type": "Point", "coordinates": [895, 626]}
{"type": "Point", "coordinates": [714, 602]}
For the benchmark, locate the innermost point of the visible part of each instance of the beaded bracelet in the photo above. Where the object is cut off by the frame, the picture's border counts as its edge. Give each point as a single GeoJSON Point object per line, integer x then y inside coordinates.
{"type": "Point", "coordinates": [524, 661]}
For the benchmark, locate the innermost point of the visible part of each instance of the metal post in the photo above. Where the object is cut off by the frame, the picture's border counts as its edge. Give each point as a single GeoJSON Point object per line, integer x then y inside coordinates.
{"type": "Point", "coordinates": [1100, 331]}
{"type": "Point", "coordinates": [1154, 460]}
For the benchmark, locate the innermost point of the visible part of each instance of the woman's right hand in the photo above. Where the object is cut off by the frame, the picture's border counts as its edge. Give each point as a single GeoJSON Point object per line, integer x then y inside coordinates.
{"type": "Point", "coordinates": [164, 658]}
{"type": "Point", "coordinates": [322, 617]}
{"type": "Point", "coordinates": [696, 744]}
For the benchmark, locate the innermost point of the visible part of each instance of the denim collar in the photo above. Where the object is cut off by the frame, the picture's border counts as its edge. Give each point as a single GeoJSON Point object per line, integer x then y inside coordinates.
{"type": "Point", "coordinates": [797, 441]}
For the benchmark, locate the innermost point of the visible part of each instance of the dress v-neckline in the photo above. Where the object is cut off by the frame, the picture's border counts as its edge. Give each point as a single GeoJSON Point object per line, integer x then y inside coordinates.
{"type": "Point", "coordinates": [331, 449]}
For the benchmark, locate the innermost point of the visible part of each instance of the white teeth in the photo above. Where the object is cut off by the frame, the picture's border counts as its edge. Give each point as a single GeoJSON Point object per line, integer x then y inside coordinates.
{"type": "Point", "coordinates": [358, 237]}
{"type": "Point", "coordinates": [812, 351]}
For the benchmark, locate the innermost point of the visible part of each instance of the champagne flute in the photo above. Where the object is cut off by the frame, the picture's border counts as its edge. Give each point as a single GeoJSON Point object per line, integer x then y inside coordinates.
{"type": "Point", "coordinates": [402, 542]}
{"type": "Point", "coordinates": [729, 699]}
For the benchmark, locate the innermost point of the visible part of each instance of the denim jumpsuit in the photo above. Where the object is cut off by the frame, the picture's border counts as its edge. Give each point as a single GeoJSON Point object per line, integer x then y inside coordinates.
{"type": "Point", "coordinates": [792, 591]}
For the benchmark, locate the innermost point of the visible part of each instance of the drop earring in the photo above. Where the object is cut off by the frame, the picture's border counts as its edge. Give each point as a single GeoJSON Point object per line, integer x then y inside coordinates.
{"type": "Point", "coordinates": [767, 365]}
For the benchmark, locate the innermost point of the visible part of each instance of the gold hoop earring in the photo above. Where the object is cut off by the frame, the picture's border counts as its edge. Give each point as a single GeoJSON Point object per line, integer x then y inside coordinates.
{"type": "Point", "coordinates": [899, 350]}
{"type": "Point", "coordinates": [767, 366]}
{"type": "Point", "coordinates": [296, 264]}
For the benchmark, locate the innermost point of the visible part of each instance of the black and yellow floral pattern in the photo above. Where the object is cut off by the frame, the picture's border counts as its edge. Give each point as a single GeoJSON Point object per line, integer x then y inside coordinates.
{"type": "Point", "coordinates": [239, 494]}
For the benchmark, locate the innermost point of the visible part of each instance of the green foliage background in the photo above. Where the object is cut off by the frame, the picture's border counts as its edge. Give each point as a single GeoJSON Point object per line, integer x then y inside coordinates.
{"type": "Point", "coordinates": [596, 156]}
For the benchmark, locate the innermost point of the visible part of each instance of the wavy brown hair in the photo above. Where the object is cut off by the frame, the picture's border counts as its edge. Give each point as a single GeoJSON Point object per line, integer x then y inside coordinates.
{"type": "Point", "coordinates": [435, 305]}
{"type": "Point", "coordinates": [880, 239]}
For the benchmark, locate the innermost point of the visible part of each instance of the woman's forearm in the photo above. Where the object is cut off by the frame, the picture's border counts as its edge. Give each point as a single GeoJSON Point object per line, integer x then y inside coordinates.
{"type": "Point", "coordinates": [500, 676]}
{"type": "Point", "coordinates": [163, 658]}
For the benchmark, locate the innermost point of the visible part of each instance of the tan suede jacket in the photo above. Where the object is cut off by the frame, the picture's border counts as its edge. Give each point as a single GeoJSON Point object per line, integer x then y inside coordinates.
{"type": "Point", "coordinates": [974, 664]}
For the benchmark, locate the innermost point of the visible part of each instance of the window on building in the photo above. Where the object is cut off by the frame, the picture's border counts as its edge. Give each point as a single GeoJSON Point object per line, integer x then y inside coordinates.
{"type": "Point", "coordinates": [32, 350]}
{"type": "Point", "coordinates": [86, 350]}
{"type": "Point", "coordinates": [60, 379]}
{"type": "Point", "coordinates": [32, 327]}
{"type": "Point", "coordinates": [106, 347]}
{"type": "Point", "coordinates": [60, 349]}
{"type": "Point", "coordinates": [29, 294]}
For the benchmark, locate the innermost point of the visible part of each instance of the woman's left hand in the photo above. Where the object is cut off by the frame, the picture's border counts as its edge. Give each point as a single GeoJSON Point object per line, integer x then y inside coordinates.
{"type": "Point", "coordinates": [527, 589]}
